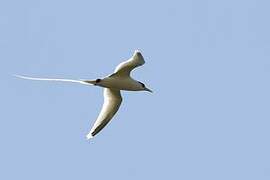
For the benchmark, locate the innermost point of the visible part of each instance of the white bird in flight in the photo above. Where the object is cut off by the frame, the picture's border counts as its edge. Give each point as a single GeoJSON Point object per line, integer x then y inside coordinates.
{"type": "Point", "coordinates": [112, 84]}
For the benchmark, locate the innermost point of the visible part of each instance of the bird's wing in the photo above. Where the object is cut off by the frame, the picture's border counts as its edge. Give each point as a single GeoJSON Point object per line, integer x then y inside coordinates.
{"type": "Point", "coordinates": [112, 102]}
{"type": "Point", "coordinates": [49, 79]}
{"type": "Point", "coordinates": [124, 68]}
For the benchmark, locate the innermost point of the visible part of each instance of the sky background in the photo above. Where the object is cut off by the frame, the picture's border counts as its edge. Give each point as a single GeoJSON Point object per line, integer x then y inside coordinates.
{"type": "Point", "coordinates": [207, 62]}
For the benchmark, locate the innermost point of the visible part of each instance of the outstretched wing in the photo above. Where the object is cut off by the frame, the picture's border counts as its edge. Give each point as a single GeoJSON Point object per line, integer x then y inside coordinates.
{"type": "Point", "coordinates": [126, 67]}
{"type": "Point", "coordinates": [112, 102]}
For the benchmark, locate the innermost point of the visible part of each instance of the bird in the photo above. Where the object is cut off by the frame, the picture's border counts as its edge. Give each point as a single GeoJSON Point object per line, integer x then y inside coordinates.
{"type": "Point", "coordinates": [119, 80]}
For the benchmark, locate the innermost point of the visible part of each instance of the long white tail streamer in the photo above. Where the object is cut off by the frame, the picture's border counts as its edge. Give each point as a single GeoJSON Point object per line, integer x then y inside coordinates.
{"type": "Point", "coordinates": [52, 79]}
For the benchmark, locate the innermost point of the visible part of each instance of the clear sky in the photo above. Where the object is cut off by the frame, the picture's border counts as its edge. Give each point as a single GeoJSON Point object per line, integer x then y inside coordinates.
{"type": "Point", "coordinates": [207, 62]}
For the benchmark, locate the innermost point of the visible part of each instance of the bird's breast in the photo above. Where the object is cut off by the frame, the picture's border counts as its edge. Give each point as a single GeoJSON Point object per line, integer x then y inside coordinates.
{"type": "Point", "coordinates": [128, 84]}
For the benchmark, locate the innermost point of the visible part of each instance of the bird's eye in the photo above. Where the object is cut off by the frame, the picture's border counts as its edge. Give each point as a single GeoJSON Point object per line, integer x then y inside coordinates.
{"type": "Point", "coordinates": [142, 84]}
{"type": "Point", "coordinates": [98, 80]}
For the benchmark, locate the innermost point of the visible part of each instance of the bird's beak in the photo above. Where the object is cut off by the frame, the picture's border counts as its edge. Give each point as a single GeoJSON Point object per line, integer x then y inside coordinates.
{"type": "Point", "coordinates": [149, 90]}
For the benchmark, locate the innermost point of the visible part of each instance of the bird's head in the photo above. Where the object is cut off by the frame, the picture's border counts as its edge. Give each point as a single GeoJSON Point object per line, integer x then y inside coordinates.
{"type": "Point", "coordinates": [144, 88]}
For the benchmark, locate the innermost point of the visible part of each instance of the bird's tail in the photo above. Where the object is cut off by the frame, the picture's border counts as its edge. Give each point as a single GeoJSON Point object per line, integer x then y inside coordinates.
{"type": "Point", "coordinates": [86, 82]}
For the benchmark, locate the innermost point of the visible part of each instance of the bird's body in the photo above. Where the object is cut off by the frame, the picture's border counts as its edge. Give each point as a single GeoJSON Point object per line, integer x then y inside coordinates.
{"type": "Point", "coordinates": [112, 84]}
{"type": "Point", "coordinates": [121, 83]}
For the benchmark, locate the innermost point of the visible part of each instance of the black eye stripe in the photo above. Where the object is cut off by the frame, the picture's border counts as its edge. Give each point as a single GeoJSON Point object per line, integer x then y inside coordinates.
{"type": "Point", "coordinates": [98, 80]}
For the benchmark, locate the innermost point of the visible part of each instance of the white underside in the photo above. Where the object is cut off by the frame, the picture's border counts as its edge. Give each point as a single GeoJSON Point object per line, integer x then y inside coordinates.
{"type": "Point", "coordinates": [121, 83]}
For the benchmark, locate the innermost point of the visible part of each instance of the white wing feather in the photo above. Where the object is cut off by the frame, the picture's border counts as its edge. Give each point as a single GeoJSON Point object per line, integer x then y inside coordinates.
{"type": "Point", "coordinates": [126, 67]}
{"type": "Point", "coordinates": [112, 102]}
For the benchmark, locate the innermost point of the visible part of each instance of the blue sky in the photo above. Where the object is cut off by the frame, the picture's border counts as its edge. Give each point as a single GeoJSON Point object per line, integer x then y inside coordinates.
{"type": "Point", "coordinates": [207, 62]}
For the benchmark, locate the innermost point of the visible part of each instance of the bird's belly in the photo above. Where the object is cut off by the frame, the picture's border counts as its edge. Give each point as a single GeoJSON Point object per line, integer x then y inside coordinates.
{"type": "Point", "coordinates": [121, 84]}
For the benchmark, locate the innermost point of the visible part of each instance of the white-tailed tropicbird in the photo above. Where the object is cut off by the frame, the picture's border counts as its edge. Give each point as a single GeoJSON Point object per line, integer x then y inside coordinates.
{"type": "Point", "coordinates": [112, 84]}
